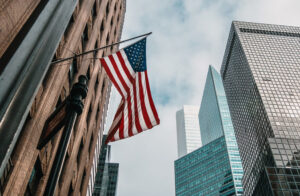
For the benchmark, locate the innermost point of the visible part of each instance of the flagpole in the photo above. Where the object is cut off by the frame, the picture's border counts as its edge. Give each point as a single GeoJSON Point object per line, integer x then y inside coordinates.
{"type": "Point", "coordinates": [96, 49]}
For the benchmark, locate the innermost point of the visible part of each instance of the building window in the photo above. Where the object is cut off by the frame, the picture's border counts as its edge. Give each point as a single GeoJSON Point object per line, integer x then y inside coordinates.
{"type": "Point", "coordinates": [91, 143]}
{"type": "Point", "coordinates": [82, 181]}
{"type": "Point", "coordinates": [107, 8]}
{"type": "Point", "coordinates": [89, 115]}
{"type": "Point", "coordinates": [88, 75]}
{"type": "Point", "coordinates": [94, 10]}
{"type": "Point", "coordinates": [111, 21]}
{"type": "Point", "coordinates": [96, 51]}
{"type": "Point", "coordinates": [97, 114]}
{"type": "Point", "coordinates": [72, 71]}
{"type": "Point", "coordinates": [58, 102]}
{"type": "Point", "coordinates": [79, 152]}
{"type": "Point", "coordinates": [84, 36]}
{"type": "Point", "coordinates": [71, 190]}
{"type": "Point", "coordinates": [96, 84]}
{"type": "Point", "coordinates": [118, 18]}
{"type": "Point", "coordinates": [35, 178]}
{"type": "Point", "coordinates": [107, 39]}
{"type": "Point", "coordinates": [102, 27]}
{"type": "Point", "coordinates": [5, 175]}
{"type": "Point", "coordinates": [102, 89]}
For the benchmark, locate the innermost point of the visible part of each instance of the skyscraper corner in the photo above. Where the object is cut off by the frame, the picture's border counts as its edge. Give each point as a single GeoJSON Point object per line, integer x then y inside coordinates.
{"type": "Point", "coordinates": [215, 168]}
{"type": "Point", "coordinates": [261, 72]}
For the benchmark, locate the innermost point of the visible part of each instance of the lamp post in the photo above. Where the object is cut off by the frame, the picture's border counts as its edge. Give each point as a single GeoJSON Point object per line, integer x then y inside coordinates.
{"type": "Point", "coordinates": [74, 108]}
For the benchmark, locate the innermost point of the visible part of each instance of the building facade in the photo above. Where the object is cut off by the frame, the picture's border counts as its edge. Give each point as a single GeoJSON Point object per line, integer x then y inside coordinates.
{"type": "Point", "coordinates": [188, 130]}
{"type": "Point", "coordinates": [215, 168]}
{"type": "Point", "coordinates": [205, 171]}
{"type": "Point", "coordinates": [107, 174]}
{"type": "Point", "coordinates": [260, 72]}
{"type": "Point", "coordinates": [33, 34]}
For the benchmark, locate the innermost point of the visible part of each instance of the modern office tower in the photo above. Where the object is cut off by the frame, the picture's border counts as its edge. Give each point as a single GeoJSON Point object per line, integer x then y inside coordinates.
{"type": "Point", "coordinates": [188, 131]}
{"type": "Point", "coordinates": [107, 173]}
{"type": "Point", "coordinates": [215, 168]}
{"type": "Point", "coordinates": [261, 73]}
{"type": "Point", "coordinates": [33, 34]}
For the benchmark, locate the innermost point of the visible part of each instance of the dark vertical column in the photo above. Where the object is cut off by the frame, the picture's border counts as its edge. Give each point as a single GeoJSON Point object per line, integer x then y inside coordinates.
{"type": "Point", "coordinates": [78, 92]}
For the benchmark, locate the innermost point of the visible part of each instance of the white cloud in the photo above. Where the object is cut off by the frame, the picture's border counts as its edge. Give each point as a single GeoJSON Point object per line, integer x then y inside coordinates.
{"type": "Point", "coordinates": [187, 37]}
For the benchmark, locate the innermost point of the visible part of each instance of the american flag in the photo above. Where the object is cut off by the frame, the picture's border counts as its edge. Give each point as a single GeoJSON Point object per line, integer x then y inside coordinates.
{"type": "Point", "coordinates": [127, 71]}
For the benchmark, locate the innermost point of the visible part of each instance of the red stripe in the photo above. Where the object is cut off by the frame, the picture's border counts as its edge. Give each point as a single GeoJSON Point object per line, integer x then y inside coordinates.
{"type": "Point", "coordinates": [136, 114]}
{"type": "Point", "coordinates": [121, 130]}
{"type": "Point", "coordinates": [114, 130]}
{"type": "Point", "coordinates": [129, 116]}
{"type": "Point", "coordinates": [110, 137]}
{"type": "Point", "coordinates": [111, 140]}
{"type": "Point", "coordinates": [151, 100]}
{"type": "Point", "coordinates": [120, 108]}
{"type": "Point", "coordinates": [113, 62]}
{"type": "Point", "coordinates": [123, 64]}
{"type": "Point", "coordinates": [103, 62]}
{"type": "Point", "coordinates": [142, 99]}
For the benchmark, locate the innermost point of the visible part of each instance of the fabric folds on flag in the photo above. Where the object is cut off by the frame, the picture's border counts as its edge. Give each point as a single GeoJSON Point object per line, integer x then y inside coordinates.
{"type": "Point", "coordinates": [127, 71]}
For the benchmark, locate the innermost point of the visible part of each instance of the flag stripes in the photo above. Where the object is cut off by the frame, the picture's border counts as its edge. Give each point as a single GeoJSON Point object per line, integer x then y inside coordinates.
{"type": "Point", "coordinates": [136, 112]}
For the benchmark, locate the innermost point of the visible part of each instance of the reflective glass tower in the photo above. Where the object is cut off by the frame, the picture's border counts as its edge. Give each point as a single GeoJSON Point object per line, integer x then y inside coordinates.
{"type": "Point", "coordinates": [107, 173]}
{"type": "Point", "coordinates": [215, 168]}
{"type": "Point", "coordinates": [261, 72]}
{"type": "Point", "coordinates": [188, 131]}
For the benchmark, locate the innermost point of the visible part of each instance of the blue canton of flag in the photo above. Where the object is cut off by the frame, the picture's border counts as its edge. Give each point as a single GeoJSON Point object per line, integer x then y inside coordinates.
{"type": "Point", "coordinates": [136, 55]}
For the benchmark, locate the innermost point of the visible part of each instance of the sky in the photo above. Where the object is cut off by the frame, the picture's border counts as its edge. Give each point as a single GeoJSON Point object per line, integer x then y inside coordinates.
{"type": "Point", "coordinates": [188, 36]}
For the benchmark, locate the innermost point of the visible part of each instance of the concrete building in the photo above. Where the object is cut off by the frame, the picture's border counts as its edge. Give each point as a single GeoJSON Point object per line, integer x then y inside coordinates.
{"type": "Point", "coordinates": [188, 131]}
{"type": "Point", "coordinates": [34, 33]}
{"type": "Point", "coordinates": [215, 168]}
{"type": "Point", "coordinates": [261, 72]}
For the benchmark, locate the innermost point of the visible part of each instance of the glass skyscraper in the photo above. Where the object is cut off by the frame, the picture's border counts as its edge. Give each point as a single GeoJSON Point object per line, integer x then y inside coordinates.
{"type": "Point", "coordinates": [107, 173]}
{"type": "Point", "coordinates": [215, 168]}
{"type": "Point", "coordinates": [188, 131]}
{"type": "Point", "coordinates": [261, 73]}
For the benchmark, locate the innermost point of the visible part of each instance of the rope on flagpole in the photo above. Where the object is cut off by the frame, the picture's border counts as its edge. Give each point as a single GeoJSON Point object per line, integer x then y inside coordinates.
{"type": "Point", "coordinates": [96, 49]}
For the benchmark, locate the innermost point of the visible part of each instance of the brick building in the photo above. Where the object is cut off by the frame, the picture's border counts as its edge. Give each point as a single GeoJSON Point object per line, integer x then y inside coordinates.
{"type": "Point", "coordinates": [32, 34]}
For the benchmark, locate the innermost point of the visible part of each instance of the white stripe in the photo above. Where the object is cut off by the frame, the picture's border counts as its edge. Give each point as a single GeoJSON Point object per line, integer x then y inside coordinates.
{"type": "Point", "coordinates": [131, 71]}
{"type": "Point", "coordinates": [115, 122]}
{"type": "Point", "coordinates": [125, 130]}
{"type": "Point", "coordinates": [139, 108]}
{"type": "Point", "coordinates": [116, 136]}
{"type": "Point", "coordinates": [122, 71]}
{"type": "Point", "coordinates": [134, 129]}
{"type": "Point", "coordinates": [113, 72]}
{"type": "Point", "coordinates": [147, 102]}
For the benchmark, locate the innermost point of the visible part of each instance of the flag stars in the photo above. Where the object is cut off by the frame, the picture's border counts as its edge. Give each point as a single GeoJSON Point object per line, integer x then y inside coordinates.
{"type": "Point", "coordinates": [136, 54]}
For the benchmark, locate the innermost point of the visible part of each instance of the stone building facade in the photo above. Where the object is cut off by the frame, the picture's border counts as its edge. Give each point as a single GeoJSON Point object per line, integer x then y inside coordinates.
{"type": "Point", "coordinates": [90, 24]}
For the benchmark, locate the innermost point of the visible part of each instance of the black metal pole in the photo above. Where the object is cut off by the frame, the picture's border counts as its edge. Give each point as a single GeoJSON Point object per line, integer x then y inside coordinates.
{"type": "Point", "coordinates": [96, 49]}
{"type": "Point", "coordinates": [78, 92]}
